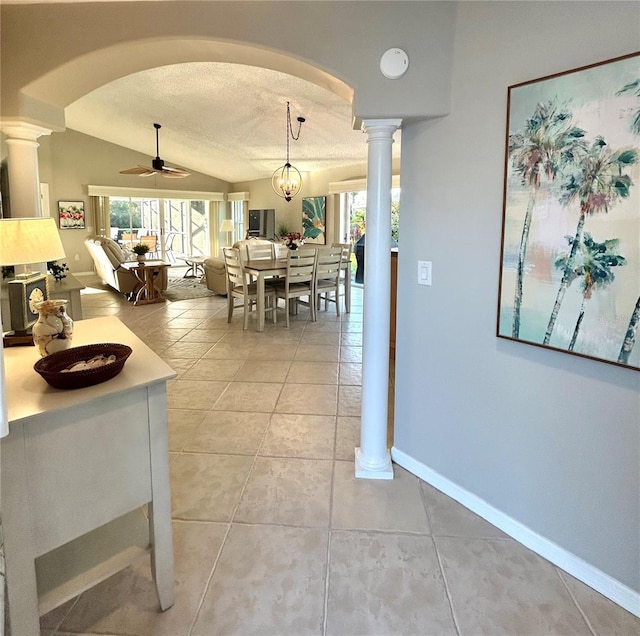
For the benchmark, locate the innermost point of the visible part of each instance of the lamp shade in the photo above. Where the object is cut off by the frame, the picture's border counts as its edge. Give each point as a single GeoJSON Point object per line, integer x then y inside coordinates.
{"type": "Point", "coordinates": [226, 226]}
{"type": "Point", "coordinates": [27, 240]}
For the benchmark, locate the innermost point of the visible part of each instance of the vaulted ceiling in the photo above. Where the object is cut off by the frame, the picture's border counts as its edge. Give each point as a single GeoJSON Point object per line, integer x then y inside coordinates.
{"type": "Point", "coordinates": [224, 120]}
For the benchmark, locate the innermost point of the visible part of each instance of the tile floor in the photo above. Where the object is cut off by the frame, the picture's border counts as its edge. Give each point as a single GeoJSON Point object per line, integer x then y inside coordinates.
{"type": "Point", "coordinates": [272, 533]}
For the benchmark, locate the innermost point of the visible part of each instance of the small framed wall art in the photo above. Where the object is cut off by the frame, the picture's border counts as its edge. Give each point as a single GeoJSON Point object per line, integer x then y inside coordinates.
{"type": "Point", "coordinates": [71, 215]}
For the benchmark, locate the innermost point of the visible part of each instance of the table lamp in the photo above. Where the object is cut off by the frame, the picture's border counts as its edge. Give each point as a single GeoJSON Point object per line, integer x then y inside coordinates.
{"type": "Point", "coordinates": [24, 241]}
{"type": "Point", "coordinates": [227, 226]}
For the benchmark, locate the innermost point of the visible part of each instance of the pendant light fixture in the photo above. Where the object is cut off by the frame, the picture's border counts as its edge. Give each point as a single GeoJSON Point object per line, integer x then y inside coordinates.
{"type": "Point", "coordinates": [286, 180]}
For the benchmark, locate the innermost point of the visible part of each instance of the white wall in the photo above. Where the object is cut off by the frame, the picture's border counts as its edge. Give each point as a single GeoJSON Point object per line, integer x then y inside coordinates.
{"type": "Point", "coordinates": [548, 439]}
{"type": "Point", "coordinates": [105, 40]}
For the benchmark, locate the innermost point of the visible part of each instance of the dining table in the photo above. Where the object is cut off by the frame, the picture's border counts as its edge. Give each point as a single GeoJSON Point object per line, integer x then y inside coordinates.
{"type": "Point", "coordinates": [262, 268]}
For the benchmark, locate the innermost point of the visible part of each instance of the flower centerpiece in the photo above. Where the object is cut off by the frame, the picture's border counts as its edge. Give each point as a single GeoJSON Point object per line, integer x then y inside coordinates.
{"type": "Point", "coordinates": [140, 249]}
{"type": "Point", "coordinates": [293, 240]}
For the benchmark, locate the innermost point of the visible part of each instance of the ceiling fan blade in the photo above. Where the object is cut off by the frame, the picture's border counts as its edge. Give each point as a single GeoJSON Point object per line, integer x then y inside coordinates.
{"type": "Point", "coordinates": [174, 175]}
{"type": "Point", "coordinates": [176, 171]}
{"type": "Point", "coordinates": [137, 170]}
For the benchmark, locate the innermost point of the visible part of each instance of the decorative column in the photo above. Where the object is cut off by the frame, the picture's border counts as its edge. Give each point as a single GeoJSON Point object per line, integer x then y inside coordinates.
{"type": "Point", "coordinates": [24, 176]}
{"type": "Point", "coordinates": [373, 460]}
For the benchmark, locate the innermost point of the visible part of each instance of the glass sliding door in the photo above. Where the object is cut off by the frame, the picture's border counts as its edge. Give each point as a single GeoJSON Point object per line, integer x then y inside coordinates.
{"type": "Point", "coordinates": [180, 225]}
{"type": "Point", "coordinates": [125, 220]}
{"type": "Point", "coordinates": [186, 228]}
{"type": "Point", "coordinates": [199, 228]}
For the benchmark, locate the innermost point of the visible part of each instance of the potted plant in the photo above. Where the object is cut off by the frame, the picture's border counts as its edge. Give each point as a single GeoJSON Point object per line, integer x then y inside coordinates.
{"type": "Point", "coordinates": [140, 249]}
{"type": "Point", "coordinates": [283, 230]}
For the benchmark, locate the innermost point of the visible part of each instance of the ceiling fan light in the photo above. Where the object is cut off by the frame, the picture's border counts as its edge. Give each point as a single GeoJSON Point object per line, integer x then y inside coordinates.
{"type": "Point", "coordinates": [286, 181]}
{"type": "Point", "coordinates": [158, 166]}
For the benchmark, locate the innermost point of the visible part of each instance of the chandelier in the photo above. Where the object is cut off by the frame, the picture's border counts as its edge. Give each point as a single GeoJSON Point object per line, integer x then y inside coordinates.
{"type": "Point", "coordinates": [286, 180]}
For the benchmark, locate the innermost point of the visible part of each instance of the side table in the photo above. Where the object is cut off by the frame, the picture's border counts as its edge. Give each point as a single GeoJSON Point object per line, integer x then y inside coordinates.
{"type": "Point", "coordinates": [196, 266]}
{"type": "Point", "coordinates": [147, 291]}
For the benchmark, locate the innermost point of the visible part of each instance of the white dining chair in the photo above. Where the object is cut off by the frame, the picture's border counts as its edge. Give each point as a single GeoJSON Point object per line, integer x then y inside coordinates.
{"type": "Point", "coordinates": [280, 250]}
{"type": "Point", "coordinates": [299, 281]}
{"type": "Point", "coordinates": [345, 273]}
{"type": "Point", "coordinates": [259, 251]}
{"type": "Point", "coordinates": [238, 286]}
{"type": "Point", "coordinates": [327, 276]}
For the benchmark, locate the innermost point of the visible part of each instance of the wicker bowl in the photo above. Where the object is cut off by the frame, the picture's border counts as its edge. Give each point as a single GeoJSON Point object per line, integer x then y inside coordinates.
{"type": "Point", "coordinates": [52, 367]}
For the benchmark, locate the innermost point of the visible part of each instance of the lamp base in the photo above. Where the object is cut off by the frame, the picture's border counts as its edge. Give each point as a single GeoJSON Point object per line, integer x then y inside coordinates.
{"type": "Point", "coordinates": [17, 339]}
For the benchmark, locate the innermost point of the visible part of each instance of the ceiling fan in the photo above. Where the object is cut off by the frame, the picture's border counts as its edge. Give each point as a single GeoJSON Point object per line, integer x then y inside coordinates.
{"type": "Point", "coordinates": [158, 166]}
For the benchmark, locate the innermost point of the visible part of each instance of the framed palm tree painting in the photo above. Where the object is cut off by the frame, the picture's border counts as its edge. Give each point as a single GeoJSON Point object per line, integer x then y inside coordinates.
{"type": "Point", "coordinates": [570, 261]}
{"type": "Point", "coordinates": [313, 219]}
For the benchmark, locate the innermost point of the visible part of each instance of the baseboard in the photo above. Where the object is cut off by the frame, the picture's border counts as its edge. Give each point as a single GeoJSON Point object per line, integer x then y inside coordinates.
{"type": "Point", "coordinates": [577, 567]}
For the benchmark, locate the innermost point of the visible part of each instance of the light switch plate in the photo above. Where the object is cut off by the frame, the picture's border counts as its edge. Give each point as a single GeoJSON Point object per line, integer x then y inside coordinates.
{"type": "Point", "coordinates": [424, 272]}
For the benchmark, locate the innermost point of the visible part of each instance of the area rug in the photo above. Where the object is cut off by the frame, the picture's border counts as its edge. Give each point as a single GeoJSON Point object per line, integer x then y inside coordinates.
{"type": "Point", "coordinates": [185, 289]}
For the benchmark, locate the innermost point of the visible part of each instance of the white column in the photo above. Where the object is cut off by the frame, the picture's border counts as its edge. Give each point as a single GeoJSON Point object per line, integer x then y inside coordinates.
{"type": "Point", "coordinates": [373, 460]}
{"type": "Point", "coordinates": [22, 159]}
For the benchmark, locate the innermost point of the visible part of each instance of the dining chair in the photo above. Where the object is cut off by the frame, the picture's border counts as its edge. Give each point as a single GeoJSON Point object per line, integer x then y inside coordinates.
{"type": "Point", "coordinates": [238, 286]}
{"type": "Point", "coordinates": [169, 239]}
{"type": "Point", "coordinates": [327, 276]}
{"type": "Point", "coordinates": [345, 273]}
{"type": "Point", "coordinates": [152, 241]}
{"type": "Point", "coordinates": [259, 251]}
{"type": "Point", "coordinates": [129, 238]}
{"type": "Point", "coordinates": [280, 250]}
{"type": "Point", "coordinates": [299, 281]}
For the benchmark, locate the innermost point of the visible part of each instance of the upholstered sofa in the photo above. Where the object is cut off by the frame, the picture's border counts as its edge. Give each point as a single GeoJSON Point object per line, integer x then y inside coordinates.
{"type": "Point", "coordinates": [215, 275]}
{"type": "Point", "coordinates": [108, 258]}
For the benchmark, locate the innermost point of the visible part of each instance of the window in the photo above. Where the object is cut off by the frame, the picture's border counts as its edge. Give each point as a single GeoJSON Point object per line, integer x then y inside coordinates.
{"type": "Point", "coordinates": [352, 195]}
{"type": "Point", "coordinates": [353, 212]}
{"type": "Point", "coordinates": [237, 217]}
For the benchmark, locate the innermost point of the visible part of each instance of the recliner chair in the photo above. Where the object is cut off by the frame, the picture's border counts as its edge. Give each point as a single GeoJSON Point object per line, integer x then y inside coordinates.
{"type": "Point", "coordinates": [215, 275]}
{"type": "Point", "coordinates": [108, 257]}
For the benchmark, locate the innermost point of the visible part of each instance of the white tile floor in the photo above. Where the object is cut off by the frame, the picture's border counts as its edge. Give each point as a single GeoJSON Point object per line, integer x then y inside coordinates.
{"type": "Point", "coordinates": [272, 533]}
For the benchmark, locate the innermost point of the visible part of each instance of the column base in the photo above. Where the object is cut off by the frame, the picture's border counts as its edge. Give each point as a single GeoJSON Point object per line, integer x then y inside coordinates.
{"type": "Point", "coordinates": [383, 470]}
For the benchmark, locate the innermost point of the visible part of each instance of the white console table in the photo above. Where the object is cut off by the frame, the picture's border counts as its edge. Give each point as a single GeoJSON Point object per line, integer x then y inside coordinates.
{"type": "Point", "coordinates": [76, 468]}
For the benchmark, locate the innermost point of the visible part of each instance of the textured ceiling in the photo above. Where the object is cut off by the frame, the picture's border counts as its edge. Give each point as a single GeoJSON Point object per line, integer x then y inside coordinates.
{"type": "Point", "coordinates": [224, 120]}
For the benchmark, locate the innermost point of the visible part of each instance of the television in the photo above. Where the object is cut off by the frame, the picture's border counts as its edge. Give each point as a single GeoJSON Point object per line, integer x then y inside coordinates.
{"type": "Point", "coordinates": [262, 224]}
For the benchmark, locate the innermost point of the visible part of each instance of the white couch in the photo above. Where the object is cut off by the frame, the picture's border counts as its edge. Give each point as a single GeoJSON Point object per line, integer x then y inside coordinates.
{"type": "Point", "coordinates": [108, 257]}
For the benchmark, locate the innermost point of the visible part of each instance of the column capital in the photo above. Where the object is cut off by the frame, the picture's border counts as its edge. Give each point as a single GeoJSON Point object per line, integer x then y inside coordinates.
{"type": "Point", "coordinates": [388, 126]}
{"type": "Point", "coordinates": [22, 130]}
